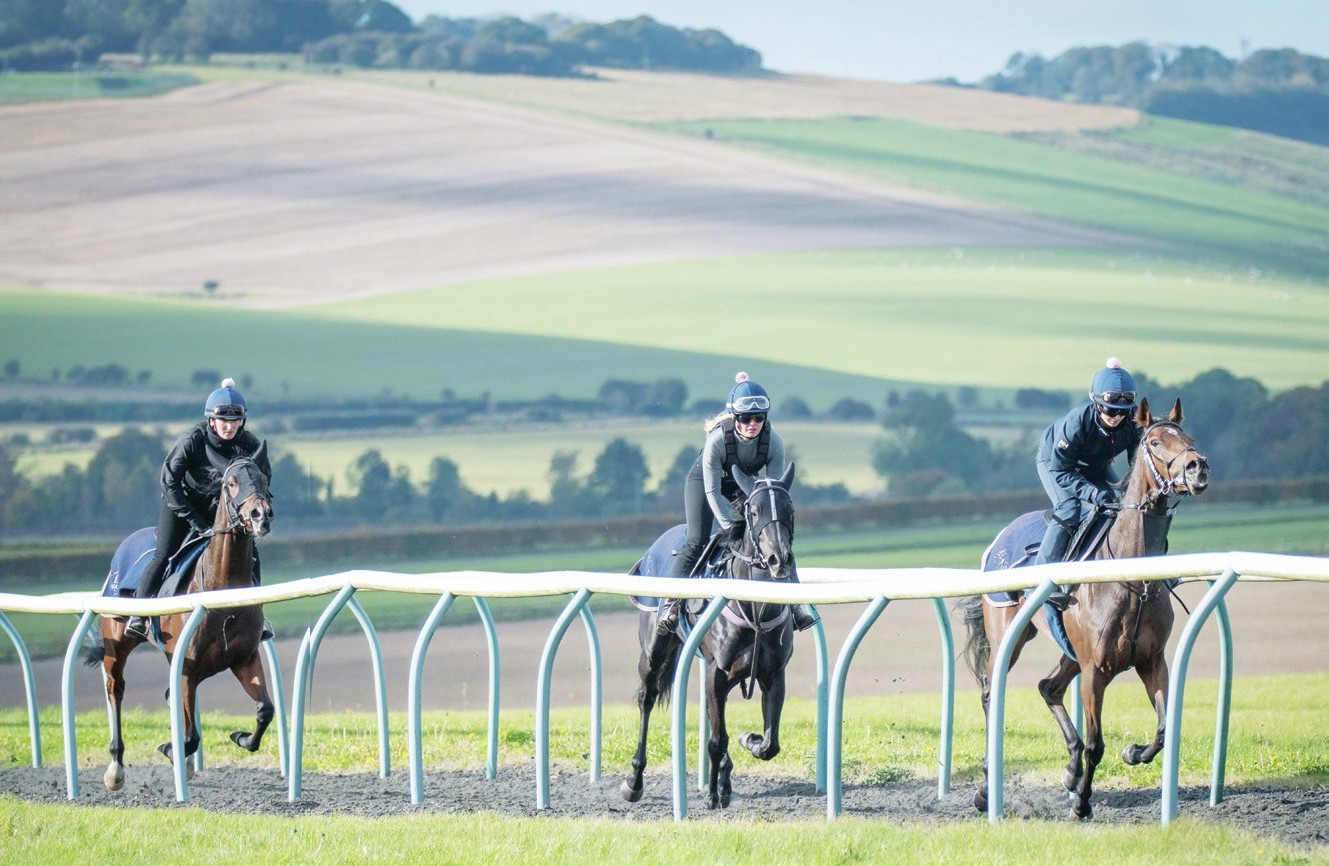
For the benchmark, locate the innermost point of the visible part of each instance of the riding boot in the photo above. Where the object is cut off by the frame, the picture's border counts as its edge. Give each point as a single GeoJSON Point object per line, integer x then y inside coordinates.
{"type": "Point", "coordinates": [1053, 549]}
{"type": "Point", "coordinates": [805, 617]}
{"type": "Point", "coordinates": [266, 634]}
{"type": "Point", "coordinates": [137, 627]}
{"type": "Point", "coordinates": [667, 620]}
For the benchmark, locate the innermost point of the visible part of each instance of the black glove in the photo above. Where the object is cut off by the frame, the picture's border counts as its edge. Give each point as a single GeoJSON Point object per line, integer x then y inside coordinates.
{"type": "Point", "coordinates": [1105, 497]}
{"type": "Point", "coordinates": [199, 527]}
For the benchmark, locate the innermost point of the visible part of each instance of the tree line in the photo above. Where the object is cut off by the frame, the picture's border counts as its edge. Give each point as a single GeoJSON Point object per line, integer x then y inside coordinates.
{"type": "Point", "coordinates": [53, 35]}
{"type": "Point", "coordinates": [1279, 91]}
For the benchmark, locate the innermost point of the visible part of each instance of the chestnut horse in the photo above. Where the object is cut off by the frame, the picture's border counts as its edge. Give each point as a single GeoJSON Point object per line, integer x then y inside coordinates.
{"type": "Point", "coordinates": [227, 639]}
{"type": "Point", "coordinates": [749, 640]}
{"type": "Point", "coordinates": [1111, 627]}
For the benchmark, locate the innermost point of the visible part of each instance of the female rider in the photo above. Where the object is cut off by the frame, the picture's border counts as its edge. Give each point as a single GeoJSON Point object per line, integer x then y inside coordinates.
{"type": "Point", "coordinates": [738, 436]}
{"type": "Point", "coordinates": [1075, 457]}
{"type": "Point", "coordinates": [191, 481]}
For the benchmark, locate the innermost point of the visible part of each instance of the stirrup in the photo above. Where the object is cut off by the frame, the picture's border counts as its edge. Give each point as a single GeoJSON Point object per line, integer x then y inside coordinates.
{"type": "Point", "coordinates": [804, 617]}
{"type": "Point", "coordinates": [137, 626]}
{"type": "Point", "coordinates": [1060, 600]}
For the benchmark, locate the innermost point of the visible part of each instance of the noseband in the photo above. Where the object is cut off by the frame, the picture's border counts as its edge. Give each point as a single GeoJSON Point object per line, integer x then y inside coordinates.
{"type": "Point", "coordinates": [776, 515]}
{"type": "Point", "coordinates": [1166, 482]}
{"type": "Point", "coordinates": [248, 490]}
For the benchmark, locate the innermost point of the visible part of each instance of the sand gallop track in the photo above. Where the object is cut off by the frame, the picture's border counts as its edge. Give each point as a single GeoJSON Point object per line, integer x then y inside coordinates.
{"type": "Point", "coordinates": [294, 193]}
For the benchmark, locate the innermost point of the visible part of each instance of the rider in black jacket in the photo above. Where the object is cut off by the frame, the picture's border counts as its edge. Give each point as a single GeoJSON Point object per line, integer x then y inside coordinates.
{"type": "Point", "coordinates": [191, 483]}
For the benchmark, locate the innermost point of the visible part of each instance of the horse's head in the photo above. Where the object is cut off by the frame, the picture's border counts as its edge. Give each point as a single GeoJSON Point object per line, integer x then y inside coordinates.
{"type": "Point", "coordinates": [768, 514]}
{"type": "Point", "coordinates": [245, 495]}
{"type": "Point", "coordinates": [1170, 459]}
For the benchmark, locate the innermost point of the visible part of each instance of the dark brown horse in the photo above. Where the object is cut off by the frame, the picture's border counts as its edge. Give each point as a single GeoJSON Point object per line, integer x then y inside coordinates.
{"type": "Point", "coordinates": [1111, 627]}
{"type": "Point", "coordinates": [227, 639]}
{"type": "Point", "coordinates": [751, 640]}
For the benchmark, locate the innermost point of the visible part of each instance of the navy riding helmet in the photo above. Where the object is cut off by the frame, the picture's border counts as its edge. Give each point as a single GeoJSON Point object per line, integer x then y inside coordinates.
{"type": "Point", "coordinates": [225, 403]}
{"type": "Point", "coordinates": [747, 397]}
{"type": "Point", "coordinates": [1113, 387]}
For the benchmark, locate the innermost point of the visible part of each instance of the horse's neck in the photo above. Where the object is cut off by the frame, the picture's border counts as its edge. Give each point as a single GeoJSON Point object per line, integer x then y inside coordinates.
{"type": "Point", "coordinates": [1129, 536]}
{"type": "Point", "coordinates": [229, 560]}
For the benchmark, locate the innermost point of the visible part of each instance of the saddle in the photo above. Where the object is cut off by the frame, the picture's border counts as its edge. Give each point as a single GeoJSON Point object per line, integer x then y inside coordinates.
{"type": "Point", "coordinates": [714, 558]}
{"type": "Point", "coordinates": [135, 552]}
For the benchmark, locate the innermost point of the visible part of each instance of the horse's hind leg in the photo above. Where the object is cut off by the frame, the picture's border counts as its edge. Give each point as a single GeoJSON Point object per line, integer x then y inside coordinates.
{"type": "Point", "coordinates": [1154, 674]}
{"type": "Point", "coordinates": [1053, 690]}
{"type": "Point", "coordinates": [188, 699]}
{"type": "Point", "coordinates": [1093, 684]}
{"type": "Point", "coordinates": [250, 674]}
{"type": "Point", "coordinates": [648, 671]}
{"type": "Point", "coordinates": [722, 766]}
{"type": "Point", "coordinates": [113, 674]}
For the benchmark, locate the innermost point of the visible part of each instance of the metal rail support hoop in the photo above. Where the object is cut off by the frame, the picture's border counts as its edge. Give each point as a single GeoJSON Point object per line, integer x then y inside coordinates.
{"type": "Point", "coordinates": [67, 703]}
{"type": "Point", "coordinates": [1033, 600]}
{"type": "Point", "coordinates": [823, 688]}
{"type": "Point", "coordinates": [30, 689]}
{"type": "Point", "coordinates": [179, 760]}
{"type": "Point", "coordinates": [679, 711]}
{"type": "Point", "coordinates": [835, 733]}
{"type": "Point", "coordinates": [413, 725]}
{"type": "Point", "coordinates": [947, 698]}
{"type": "Point", "coordinates": [1177, 691]}
{"type": "Point", "coordinates": [1224, 704]}
{"type": "Point", "coordinates": [380, 685]}
{"type": "Point", "coordinates": [574, 608]}
{"type": "Point", "coordinates": [278, 690]}
{"type": "Point", "coordinates": [304, 677]}
{"type": "Point", "coordinates": [491, 639]}
{"type": "Point", "coordinates": [597, 692]}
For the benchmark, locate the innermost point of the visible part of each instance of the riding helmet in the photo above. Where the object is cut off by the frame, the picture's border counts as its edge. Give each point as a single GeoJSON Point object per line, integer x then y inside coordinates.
{"type": "Point", "coordinates": [225, 403]}
{"type": "Point", "coordinates": [748, 397]}
{"type": "Point", "coordinates": [1113, 387]}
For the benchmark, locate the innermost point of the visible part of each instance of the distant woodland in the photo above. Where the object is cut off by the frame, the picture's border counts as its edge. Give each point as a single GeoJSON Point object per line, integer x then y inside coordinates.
{"type": "Point", "coordinates": [1279, 91]}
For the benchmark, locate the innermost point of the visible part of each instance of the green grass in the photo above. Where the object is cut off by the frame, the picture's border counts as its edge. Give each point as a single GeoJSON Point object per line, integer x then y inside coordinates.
{"type": "Point", "coordinates": [21, 87]}
{"type": "Point", "coordinates": [1276, 740]}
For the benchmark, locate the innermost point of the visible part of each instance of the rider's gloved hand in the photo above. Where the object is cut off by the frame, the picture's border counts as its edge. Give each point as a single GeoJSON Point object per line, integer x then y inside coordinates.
{"type": "Point", "coordinates": [200, 527]}
{"type": "Point", "coordinates": [1105, 497]}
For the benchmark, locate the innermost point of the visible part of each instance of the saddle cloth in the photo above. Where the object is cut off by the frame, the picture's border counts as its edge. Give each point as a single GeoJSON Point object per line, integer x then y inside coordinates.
{"type": "Point", "coordinates": [659, 561]}
{"type": "Point", "coordinates": [135, 552]}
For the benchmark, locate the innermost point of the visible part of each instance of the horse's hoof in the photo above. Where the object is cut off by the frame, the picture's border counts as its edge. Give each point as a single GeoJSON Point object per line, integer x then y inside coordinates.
{"type": "Point", "coordinates": [165, 749]}
{"type": "Point", "coordinates": [630, 793]}
{"type": "Point", "coordinates": [1070, 781]}
{"type": "Point", "coordinates": [243, 740]}
{"type": "Point", "coordinates": [724, 800]}
{"type": "Point", "coordinates": [189, 770]}
{"type": "Point", "coordinates": [1082, 814]}
{"type": "Point", "coordinates": [115, 777]}
{"type": "Point", "coordinates": [1131, 755]}
{"type": "Point", "coordinates": [981, 800]}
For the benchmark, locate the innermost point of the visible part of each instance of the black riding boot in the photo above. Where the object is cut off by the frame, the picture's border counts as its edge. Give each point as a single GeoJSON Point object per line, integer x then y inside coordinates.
{"type": "Point", "coordinates": [805, 617]}
{"type": "Point", "coordinates": [667, 620]}
{"type": "Point", "coordinates": [1053, 549]}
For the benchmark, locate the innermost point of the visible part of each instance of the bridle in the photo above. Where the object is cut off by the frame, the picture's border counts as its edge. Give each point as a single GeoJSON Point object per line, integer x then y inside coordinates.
{"type": "Point", "coordinates": [235, 521]}
{"type": "Point", "coordinates": [1165, 482]}
{"type": "Point", "coordinates": [778, 515]}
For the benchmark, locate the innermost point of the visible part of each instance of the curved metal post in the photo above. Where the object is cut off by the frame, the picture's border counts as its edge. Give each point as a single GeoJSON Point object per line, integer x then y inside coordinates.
{"type": "Point", "coordinates": [1033, 600]}
{"type": "Point", "coordinates": [823, 688]}
{"type": "Point", "coordinates": [279, 700]}
{"type": "Point", "coordinates": [703, 728]}
{"type": "Point", "coordinates": [304, 678]}
{"type": "Point", "coordinates": [491, 638]}
{"type": "Point", "coordinates": [67, 703]}
{"type": "Point", "coordinates": [945, 747]}
{"type": "Point", "coordinates": [1177, 690]}
{"type": "Point", "coordinates": [413, 735]}
{"type": "Point", "coordinates": [679, 711]}
{"type": "Point", "coordinates": [1224, 704]}
{"type": "Point", "coordinates": [380, 684]}
{"type": "Point", "coordinates": [835, 719]}
{"type": "Point", "coordinates": [597, 692]}
{"type": "Point", "coordinates": [179, 759]}
{"type": "Point", "coordinates": [571, 610]}
{"type": "Point", "coordinates": [29, 688]}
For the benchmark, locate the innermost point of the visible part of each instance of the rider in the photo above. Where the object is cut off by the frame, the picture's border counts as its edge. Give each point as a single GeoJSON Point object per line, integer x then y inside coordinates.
{"type": "Point", "coordinates": [738, 436]}
{"type": "Point", "coordinates": [191, 480]}
{"type": "Point", "coordinates": [1075, 460]}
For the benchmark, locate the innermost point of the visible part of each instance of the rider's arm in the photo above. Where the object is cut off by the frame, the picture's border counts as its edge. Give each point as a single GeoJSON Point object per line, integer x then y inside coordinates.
{"type": "Point", "coordinates": [712, 470]}
{"type": "Point", "coordinates": [178, 462]}
{"type": "Point", "coordinates": [1068, 436]}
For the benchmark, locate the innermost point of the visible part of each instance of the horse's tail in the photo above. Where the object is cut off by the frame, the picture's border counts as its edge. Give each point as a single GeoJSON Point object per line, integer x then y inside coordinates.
{"type": "Point", "coordinates": [664, 677]}
{"type": "Point", "coordinates": [93, 649]}
{"type": "Point", "coordinates": [976, 650]}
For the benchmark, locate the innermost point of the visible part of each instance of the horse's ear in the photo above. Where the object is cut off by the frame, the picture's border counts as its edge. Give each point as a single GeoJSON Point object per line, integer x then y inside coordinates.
{"type": "Point", "coordinates": [744, 481]}
{"type": "Point", "coordinates": [1175, 415]}
{"type": "Point", "coordinates": [1143, 417]}
{"type": "Point", "coordinates": [262, 453]}
{"type": "Point", "coordinates": [788, 477]}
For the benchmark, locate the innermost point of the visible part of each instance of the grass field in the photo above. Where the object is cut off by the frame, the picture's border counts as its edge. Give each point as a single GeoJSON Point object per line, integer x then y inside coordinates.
{"type": "Point", "coordinates": [1275, 739]}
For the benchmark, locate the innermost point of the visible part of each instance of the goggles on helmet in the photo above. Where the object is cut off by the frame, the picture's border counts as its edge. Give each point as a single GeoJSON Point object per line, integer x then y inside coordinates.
{"type": "Point", "coordinates": [1116, 398]}
{"type": "Point", "coordinates": [228, 412]}
{"type": "Point", "coordinates": [753, 403]}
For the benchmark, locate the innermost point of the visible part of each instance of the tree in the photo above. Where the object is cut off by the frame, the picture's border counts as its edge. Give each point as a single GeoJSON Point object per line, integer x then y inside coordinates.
{"type": "Point", "coordinates": [12, 368]}
{"type": "Point", "coordinates": [618, 477]}
{"type": "Point", "coordinates": [371, 476]}
{"type": "Point", "coordinates": [444, 491]}
{"type": "Point", "coordinates": [297, 487]}
{"type": "Point", "coordinates": [565, 491]}
{"type": "Point", "coordinates": [923, 438]}
{"type": "Point", "coordinates": [122, 484]}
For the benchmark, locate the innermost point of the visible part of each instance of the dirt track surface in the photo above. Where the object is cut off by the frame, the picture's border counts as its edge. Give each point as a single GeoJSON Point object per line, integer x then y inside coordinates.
{"type": "Point", "coordinates": [288, 194]}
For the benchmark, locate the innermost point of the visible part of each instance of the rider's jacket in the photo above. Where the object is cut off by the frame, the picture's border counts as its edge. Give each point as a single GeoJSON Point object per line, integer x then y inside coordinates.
{"type": "Point", "coordinates": [1077, 449]}
{"type": "Point", "coordinates": [725, 449]}
{"type": "Point", "coordinates": [192, 473]}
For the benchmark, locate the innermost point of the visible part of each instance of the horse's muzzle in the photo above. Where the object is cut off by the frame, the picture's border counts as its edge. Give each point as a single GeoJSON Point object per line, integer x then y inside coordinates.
{"type": "Point", "coordinates": [1196, 474]}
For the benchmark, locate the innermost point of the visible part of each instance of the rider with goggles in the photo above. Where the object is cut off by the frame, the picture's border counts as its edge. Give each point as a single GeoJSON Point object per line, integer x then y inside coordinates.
{"type": "Point", "coordinates": [191, 483]}
{"type": "Point", "coordinates": [738, 436]}
{"type": "Point", "coordinates": [1075, 457]}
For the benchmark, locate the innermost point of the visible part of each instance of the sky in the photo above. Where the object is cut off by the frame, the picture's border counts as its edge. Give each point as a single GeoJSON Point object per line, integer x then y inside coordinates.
{"type": "Point", "coordinates": [888, 40]}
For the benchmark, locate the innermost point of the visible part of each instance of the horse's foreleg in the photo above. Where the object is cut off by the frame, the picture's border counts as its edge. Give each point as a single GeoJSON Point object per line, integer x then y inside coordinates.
{"type": "Point", "coordinates": [767, 745]}
{"type": "Point", "coordinates": [188, 697]}
{"type": "Point", "coordinates": [718, 746]}
{"type": "Point", "coordinates": [647, 694]}
{"type": "Point", "coordinates": [1093, 684]}
{"type": "Point", "coordinates": [1154, 675]}
{"type": "Point", "coordinates": [113, 670]}
{"type": "Point", "coordinates": [1053, 690]}
{"type": "Point", "coordinates": [250, 674]}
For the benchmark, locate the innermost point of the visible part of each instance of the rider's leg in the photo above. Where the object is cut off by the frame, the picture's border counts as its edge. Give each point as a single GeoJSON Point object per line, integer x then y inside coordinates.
{"type": "Point", "coordinates": [804, 617]}
{"type": "Point", "coordinates": [700, 523]}
{"type": "Point", "coordinates": [1062, 521]}
{"type": "Point", "coordinates": [266, 634]}
{"type": "Point", "coordinates": [171, 531]}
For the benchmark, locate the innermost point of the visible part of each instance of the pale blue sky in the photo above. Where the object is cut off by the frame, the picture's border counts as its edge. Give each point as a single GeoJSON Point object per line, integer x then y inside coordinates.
{"type": "Point", "coordinates": [967, 39]}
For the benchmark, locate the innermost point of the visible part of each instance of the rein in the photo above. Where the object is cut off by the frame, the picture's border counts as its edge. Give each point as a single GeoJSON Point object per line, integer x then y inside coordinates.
{"type": "Point", "coordinates": [734, 611]}
{"type": "Point", "coordinates": [1164, 485]}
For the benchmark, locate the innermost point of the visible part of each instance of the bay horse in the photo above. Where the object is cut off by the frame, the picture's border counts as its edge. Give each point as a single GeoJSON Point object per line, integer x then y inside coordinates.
{"type": "Point", "coordinates": [1111, 627]}
{"type": "Point", "coordinates": [750, 640]}
{"type": "Point", "coordinates": [227, 639]}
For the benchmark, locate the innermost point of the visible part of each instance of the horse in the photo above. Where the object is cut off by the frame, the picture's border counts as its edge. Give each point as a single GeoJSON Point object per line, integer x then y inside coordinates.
{"type": "Point", "coordinates": [1111, 627]}
{"type": "Point", "coordinates": [750, 640]}
{"type": "Point", "coordinates": [226, 639]}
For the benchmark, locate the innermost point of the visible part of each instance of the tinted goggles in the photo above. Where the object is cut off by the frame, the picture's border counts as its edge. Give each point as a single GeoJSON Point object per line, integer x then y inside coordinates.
{"type": "Point", "coordinates": [228, 412]}
{"type": "Point", "coordinates": [755, 403]}
{"type": "Point", "coordinates": [749, 417]}
{"type": "Point", "coordinates": [1117, 398]}
{"type": "Point", "coordinates": [1114, 412]}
